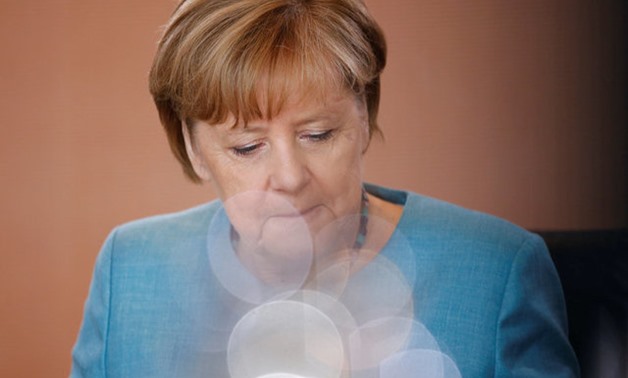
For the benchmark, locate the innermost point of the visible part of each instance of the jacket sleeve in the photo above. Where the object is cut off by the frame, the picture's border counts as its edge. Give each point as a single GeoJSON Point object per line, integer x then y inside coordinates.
{"type": "Point", "coordinates": [531, 339]}
{"type": "Point", "coordinates": [89, 353]}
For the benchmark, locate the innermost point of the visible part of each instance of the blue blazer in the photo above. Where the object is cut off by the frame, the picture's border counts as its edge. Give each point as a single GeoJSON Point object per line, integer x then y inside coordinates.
{"type": "Point", "coordinates": [484, 288]}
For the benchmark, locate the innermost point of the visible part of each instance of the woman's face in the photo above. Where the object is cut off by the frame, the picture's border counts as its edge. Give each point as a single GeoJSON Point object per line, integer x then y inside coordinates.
{"type": "Point", "coordinates": [304, 163]}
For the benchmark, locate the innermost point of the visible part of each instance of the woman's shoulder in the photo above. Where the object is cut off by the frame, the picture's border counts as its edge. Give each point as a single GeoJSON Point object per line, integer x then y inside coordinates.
{"type": "Point", "coordinates": [163, 233]}
{"type": "Point", "coordinates": [191, 217]}
{"type": "Point", "coordinates": [430, 221]}
{"type": "Point", "coordinates": [481, 283]}
{"type": "Point", "coordinates": [444, 217]}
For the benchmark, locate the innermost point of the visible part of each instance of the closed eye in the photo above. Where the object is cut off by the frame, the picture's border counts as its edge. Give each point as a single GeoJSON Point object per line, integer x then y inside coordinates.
{"type": "Point", "coordinates": [246, 150]}
{"type": "Point", "coordinates": [319, 136]}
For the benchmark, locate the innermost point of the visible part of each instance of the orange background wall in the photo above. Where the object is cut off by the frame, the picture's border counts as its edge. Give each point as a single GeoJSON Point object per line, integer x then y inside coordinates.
{"type": "Point", "coordinates": [513, 108]}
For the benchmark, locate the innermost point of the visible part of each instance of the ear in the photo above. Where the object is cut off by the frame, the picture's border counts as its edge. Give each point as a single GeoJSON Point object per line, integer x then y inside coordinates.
{"type": "Point", "coordinates": [366, 137]}
{"type": "Point", "coordinates": [192, 149]}
{"type": "Point", "coordinates": [365, 134]}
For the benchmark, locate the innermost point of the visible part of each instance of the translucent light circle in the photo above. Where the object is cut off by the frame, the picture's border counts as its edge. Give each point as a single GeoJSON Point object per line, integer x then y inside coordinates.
{"type": "Point", "coordinates": [377, 340]}
{"type": "Point", "coordinates": [331, 307]}
{"type": "Point", "coordinates": [269, 262]}
{"type": "Point", "coordinates": [419, 363]}
{"type": "Point", "coordinates": [337, 236]}
{"type": "Point", "coordinates": [332, 280]}
{"type": "Point", "coordinates": [373, 281]}
{"type": "Point", "coordinates": [269, 223]}
{"type": "Point", "coordinates": [378, 290]}
{"type": "Point", "coordinates": [223, 314]}
{"type": "Point", "coordinates": [421, 338]}
{"type": "Point", "coordinates": [288, 337]}
{"type": "Point", "coordinates": [336, 259]}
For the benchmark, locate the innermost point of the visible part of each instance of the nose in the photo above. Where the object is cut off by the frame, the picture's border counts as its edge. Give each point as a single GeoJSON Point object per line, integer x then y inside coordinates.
{"type": "Point", "coordinates": [289, 171]}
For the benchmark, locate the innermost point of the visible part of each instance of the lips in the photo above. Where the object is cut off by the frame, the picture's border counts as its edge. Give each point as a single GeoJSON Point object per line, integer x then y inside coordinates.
{"type": "Point", "coordinates": [296, 214]}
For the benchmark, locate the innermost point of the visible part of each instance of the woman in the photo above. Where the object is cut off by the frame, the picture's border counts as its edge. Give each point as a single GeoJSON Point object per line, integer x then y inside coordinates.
{"type": "Point", "coordinates": [301, 269]}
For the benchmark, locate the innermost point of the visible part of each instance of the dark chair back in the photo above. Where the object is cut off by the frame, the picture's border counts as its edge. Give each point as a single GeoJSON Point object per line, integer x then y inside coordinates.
{"type": "Point", "coordinates": [593, 268]}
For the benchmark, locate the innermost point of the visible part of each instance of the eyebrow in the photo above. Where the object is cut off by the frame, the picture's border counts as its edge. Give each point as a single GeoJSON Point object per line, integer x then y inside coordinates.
{"type": "Point", "coordinates": [253, 127]}
{"type": "Point", "coordinates": [320, 117]}
{"type": "Point", "coordinates": [323, 114]}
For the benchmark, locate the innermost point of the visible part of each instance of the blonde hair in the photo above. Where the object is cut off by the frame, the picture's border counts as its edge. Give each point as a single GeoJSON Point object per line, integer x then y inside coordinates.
{"type": "Point", "coordinates": [244, 57]}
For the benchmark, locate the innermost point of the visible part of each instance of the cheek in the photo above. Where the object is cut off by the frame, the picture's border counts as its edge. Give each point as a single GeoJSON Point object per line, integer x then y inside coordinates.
{"type": "Point", "coordinates": [244, 211]}
{"type": "Point", "coordinates": [341, 175]}
{"type": "Point", "coordinates": [229, 179]}
{"type": "Point", "coordinates": [346, 172]}
{"type": "Point", "coordinates": [347, 164]}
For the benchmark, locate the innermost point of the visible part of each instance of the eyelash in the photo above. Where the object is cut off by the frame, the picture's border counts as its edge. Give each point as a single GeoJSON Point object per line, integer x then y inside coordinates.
{"type": "Point", "coordinates": [250, 149]}
{"type": "Point", "coordinates": [245, 150]}
{"type": "Point", "coordinates": [320, 137]}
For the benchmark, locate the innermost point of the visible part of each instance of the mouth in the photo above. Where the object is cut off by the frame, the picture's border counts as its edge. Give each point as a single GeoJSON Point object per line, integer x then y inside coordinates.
{"type": "Point", "coordinates": [307, 215]}
{"type": "Point", "coordinates": [294, 214]}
